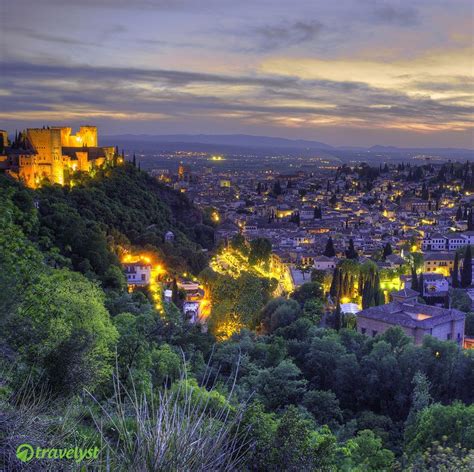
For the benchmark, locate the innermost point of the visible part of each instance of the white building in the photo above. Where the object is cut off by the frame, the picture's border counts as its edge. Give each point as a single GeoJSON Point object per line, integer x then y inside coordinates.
{"type": "Point", "coordinates": [324, 263]}
{"type": "Point", "coordinates": [137, 273]}
{"type": "Point", "coordinates": [435, 285]}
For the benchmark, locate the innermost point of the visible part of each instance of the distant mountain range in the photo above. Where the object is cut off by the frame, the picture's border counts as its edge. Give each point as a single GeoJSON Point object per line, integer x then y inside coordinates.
{"type": "Point", "coordinates": [246, 140]}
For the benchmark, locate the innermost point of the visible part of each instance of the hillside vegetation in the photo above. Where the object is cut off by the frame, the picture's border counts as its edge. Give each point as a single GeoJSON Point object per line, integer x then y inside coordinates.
{"type": "Point", "coordinates": [85, 363]}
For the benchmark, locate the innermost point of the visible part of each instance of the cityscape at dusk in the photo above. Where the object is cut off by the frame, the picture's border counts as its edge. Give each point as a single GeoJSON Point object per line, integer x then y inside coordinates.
{"type": "Point", "coordinates": [356, 73]}
{"type": "Point", "coordinates": [237, 236]}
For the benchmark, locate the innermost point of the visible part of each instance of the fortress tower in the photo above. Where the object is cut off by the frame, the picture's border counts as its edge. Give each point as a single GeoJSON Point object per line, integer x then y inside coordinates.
{"type": "Point", "coordinates": [54, 154]}
{"type": "Point", "coordinates": [85, 137]}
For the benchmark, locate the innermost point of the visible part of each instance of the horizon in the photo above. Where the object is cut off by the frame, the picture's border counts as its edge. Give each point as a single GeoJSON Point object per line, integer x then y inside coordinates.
{"type": "Point", "coordinates": [347, 74]}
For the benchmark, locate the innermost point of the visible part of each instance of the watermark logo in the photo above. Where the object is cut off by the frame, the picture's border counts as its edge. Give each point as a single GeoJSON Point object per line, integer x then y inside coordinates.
{"type": "Point", "coordinates": [26, 452]}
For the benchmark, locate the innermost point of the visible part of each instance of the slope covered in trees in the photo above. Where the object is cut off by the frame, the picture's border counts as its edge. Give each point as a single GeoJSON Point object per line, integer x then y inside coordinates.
{"type": "Point", "coordinates": [84, 362]}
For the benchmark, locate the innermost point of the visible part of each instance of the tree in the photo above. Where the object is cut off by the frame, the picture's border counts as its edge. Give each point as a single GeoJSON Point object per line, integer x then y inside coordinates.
{"type": "Point", "coordinates": [277, 188]}
{"type": "Point", "coordinates": [366, 453]}
{"type": "Point", "coordinates": [460, 300]}
{"type": "Point", "coordinates": [239, 243]}
{"type": "Point", "coordinates": [63, 328]}
{"type": "Point", "coordinates": [455, 272]}
{"type": "Point", "coordinates": [165, 365]}
{"type": "Point", "coordinates": [278, 313]}
{"type": "Point", "coordinates": [351, 253]}
{"type": "Point", "coordinates": [313, 310]}
{"type": "Point", "coordinates": [318, 214]}
{"type": "Point", "coordinates": [298, 448]}
{"type": "Point", "coordinates": [440, 457]}
{"type": "Point", "coordinates": [324, 406]}
{"type": "Point", "coordinates": [335, 289]}
{"type": "Point", "coordinates": [421, 397]}
{"type": "Point", "coordinates": [175, 292]}
{"type": "Point", "coordinates": [425, 194]}
{"type": "Point", "coordinates": [415, 285]}
{"type": "Point", "coordinates": [307, 291]}
{"type": "Point", "coordinates": [387, 250]}
{"type": "Point", "coordinates": [466, 271]}
{"type": "Point", "coordinates": [337, 317]}
{"type": "Point", "coordinates": [260, 250]}
{"type": "Point", "coordinates": [261, 427]}
{"type": "Point", "coordinates": [329, 250]}
{"type": "Point", "coordinates": [449, 423]}
{"type": "Point", "coordinates": [279, 386]}
{"type": "Point", "coordinates": [469, 324]}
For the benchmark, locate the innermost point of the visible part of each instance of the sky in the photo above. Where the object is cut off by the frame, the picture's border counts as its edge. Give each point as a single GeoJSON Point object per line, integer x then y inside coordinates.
{"type": "Point", "coordinates": [346, 72]}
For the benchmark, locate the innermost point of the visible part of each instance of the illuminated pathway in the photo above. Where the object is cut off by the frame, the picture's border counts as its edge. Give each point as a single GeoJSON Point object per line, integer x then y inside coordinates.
{"type": "Point", "coordinates": [232, 263]}
{"type": "Point", "coordinates": [156, 272]}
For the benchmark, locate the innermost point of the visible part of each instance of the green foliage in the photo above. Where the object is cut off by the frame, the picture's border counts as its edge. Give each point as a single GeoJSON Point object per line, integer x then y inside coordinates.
{"type": "Point", "coordinates": [365, 453]}
{"type": "Point", "coordinates": [469, 324]}
{"type": "Point", "coordinates": [185, 427]}
{"type": "Point", "coordinates": [278, 313]}
{"type": "Point", "coordinates": [260, 251]}
{"type": "Point", "coordinates": [307, 291]}
{"type": "Point", "coordinates": [297, 446]}
{"type": "Point", "coordinates": [236, 299]}
{"type": "Point", "coordinates": [466, 271]}
{"type": "Point", "coordinates": [442, 458]}
{"type": "Point", "coordinates": [166, 365]}
{"type": "Point", "coordinates": [279, 386]}
{"type": "Point", "coordinates": [452, 424]}
{"type": "Point", "coordinates": [63, 329]}
{"type": "Point", "coordinates": [86, 220]}
{"type": "Point", "coordinates": [324, 406]}
{"type": "Point", "coordinates": [460, 300]}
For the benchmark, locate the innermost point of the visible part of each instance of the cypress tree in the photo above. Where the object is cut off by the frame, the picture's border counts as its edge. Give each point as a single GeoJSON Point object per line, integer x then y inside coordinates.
{"type": "Point", "coordinates": [277, 188]}
{"type": "Point", "coordinates": [351, 253]}
{"type": "Point", "coordinates": [175, 295]}
{"type": "Point", "coordinates": [338, 317]}
{"type": "Point", "coordinates": [466, 272]}
{"type": "Point", "coordinates": [379, 297]}
{"type": "Point", "coordinates": [368, 294]}
{"type": "Point", "coordinates": [421, 283]}
{"type": "Point", "coordinates": [455, 272]}
{"type": "Point", "coordinates": [470, 221]}
{"type": "Point", "coordinates": [345, 286]}
{"type": "Point", "coordinates": [329, 250]}
{"type": "Point", "coordinates": [335, 283]}
{"type": "Point", "coordinates": [387, 250]}
{"type": "Point", "coordinates": [414, 280]}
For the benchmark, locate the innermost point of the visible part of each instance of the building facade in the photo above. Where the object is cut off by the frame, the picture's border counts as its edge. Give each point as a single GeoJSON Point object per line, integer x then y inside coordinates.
{"type": "Point", "coordinates": [415, 319]}
{"type": "Point", "coordinates": [52, 154]}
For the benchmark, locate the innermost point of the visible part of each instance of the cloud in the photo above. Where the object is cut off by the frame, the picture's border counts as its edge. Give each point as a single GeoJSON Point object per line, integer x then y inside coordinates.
{"type": "Point", "coordinates": [401, 15]}
{"type": "Point", "coordinates": [286, 34]}
{"type": "Point", "coordinates": [141, 94]}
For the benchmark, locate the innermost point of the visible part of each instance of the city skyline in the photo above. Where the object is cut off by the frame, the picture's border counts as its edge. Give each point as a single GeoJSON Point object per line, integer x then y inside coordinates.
{"type": "Point", "coordinates": [351, 73]}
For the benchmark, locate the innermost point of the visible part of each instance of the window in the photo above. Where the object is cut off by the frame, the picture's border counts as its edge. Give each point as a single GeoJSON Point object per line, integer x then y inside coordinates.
{"type": "Point", "coordinates": [363, 330]}
{"type": "Point", "coordinates": [374, 333]}
{"type": "Point", "coordinates": [448, 336]}
{"type": "Point", "coordinates": [143, 277]}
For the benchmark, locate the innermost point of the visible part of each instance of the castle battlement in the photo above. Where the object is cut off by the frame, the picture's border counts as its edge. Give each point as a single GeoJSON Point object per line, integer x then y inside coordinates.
{"type": "Point", "coordinates": [54, 154]}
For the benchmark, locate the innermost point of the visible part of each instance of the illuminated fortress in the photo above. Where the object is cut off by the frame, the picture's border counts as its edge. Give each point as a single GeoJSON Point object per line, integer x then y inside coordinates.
{"type": "Point", "coordinates": [53, 154]}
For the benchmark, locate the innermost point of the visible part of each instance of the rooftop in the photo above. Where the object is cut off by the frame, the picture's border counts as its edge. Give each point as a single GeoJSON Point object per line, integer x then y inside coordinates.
{"type": "Point", "coordinates": [411, 315]}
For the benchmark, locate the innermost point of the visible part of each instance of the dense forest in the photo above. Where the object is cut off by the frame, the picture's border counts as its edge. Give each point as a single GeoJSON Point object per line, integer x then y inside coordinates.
{"type": "Point", "coordinates": [83, 362]}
